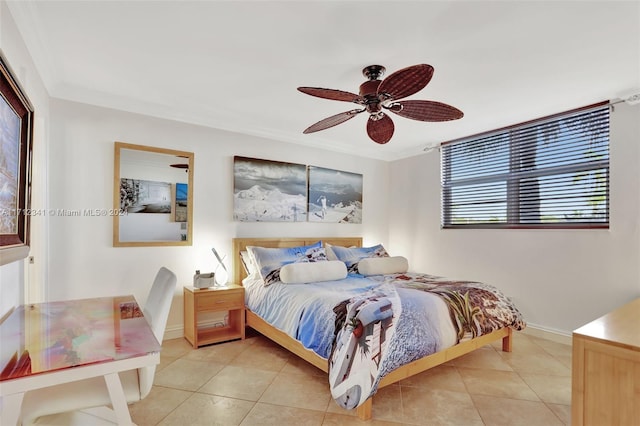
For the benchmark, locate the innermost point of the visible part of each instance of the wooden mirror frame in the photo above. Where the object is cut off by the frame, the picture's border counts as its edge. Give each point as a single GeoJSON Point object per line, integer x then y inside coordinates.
{"type": "Point", "coordinates": [188, 156]}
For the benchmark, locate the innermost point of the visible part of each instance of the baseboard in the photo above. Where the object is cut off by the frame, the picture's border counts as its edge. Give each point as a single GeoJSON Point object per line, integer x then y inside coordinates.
{"type": "Point", "coordinates": [175, 332]}
{"type": "Point", "coordinates": [557, 336]}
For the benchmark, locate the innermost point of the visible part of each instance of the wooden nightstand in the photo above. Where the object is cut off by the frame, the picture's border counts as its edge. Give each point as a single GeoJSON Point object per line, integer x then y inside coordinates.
{"type": "Point", "coordinates": [215, 299]}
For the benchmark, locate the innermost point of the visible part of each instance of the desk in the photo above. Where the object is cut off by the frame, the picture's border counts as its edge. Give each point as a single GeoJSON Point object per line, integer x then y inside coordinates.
{"type": "Point", "coordinates": [51, 343]}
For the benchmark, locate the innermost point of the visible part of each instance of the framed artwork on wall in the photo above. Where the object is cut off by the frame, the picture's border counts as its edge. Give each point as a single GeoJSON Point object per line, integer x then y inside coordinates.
{"type": "Point", "coordinates": [16, 139]}
{"type": "Point", "coordinates": [269, 191]}
{"type": "Point", "coordinates": [334, 196]}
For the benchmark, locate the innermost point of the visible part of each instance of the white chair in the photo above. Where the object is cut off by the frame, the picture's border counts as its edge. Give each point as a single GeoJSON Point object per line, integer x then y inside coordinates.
{"type": "Point", "coordinates": [93, 392]}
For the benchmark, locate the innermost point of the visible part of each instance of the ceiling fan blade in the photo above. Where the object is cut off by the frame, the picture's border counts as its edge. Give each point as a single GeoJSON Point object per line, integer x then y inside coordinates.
{"type": "Point", "coordinates": [425, 110]}
{"type": "Point", "coordinates": [334, 120]}
{"type": "Point", "coordinates": [406, 81]}
{"type": "Point", "coordinates": [332, 94]}
{"type": "Point", "coordinates": [380, 130]}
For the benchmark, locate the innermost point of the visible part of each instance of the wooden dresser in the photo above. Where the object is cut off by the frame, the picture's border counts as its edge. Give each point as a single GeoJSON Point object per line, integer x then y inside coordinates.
{"type": "Point", "coordinates": [606, 369]}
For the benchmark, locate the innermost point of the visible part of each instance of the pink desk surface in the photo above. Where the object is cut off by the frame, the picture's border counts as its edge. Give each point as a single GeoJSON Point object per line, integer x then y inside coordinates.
{"type": "Point", "coordinates": [51, 336]}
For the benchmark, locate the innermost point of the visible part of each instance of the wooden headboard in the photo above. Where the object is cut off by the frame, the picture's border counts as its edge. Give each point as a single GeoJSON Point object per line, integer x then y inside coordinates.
{"type": "Point", "coordinates": [240, 244]}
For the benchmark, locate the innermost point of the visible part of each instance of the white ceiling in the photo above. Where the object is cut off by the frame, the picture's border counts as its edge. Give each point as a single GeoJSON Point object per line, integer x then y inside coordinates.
{"type": "Point", "coordinates": [235, 65]}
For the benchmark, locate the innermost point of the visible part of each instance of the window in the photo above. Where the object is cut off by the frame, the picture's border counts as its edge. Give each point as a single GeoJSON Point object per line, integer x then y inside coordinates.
{"type": "Point", "coordinates": [547, 173]}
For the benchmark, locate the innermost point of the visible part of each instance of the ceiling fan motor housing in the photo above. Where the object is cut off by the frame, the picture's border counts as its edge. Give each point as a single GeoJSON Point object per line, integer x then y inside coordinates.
{"type": "Point", "coordinates": [369, 91]}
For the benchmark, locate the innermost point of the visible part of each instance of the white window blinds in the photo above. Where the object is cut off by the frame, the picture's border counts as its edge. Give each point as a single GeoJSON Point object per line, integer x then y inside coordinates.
{"type": "Point", "coordinates": [547, 173]}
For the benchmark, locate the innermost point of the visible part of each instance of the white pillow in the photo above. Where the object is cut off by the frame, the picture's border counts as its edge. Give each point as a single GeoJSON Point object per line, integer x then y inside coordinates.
{"type": "Point", "coordinates": [383, 265]}
{"type": "Point", "coordinates": [309, 272]}
{"type": "Point", "coordinates": [248, 263]}
{"type": "Point", "coordinates": [351, 256]}
{"type": "Point", "coordinates": [269, 260]}
{"type": "Point", "coordinates": [330, 254]}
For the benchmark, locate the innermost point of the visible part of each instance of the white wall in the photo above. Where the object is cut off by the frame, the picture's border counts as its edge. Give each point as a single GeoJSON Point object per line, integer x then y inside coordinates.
{"type": "Point", "coordinates": [13, 275]}
{"type": "Point", "coordinates": [83, 262]}
{"type": "Point", "coordinates": [559, 279]}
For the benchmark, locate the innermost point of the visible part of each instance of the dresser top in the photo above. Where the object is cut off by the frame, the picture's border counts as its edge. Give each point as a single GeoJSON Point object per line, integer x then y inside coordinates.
{"type": "Point", "coordinates": [620, 327]}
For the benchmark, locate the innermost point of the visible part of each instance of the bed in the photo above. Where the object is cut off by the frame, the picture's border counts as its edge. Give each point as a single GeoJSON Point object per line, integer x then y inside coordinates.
{"type": "Point", "coordinates": [285, 339]}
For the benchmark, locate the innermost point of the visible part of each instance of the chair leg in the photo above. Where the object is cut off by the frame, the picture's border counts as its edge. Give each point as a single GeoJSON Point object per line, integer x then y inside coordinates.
{"type": "Point", "coordinates": [11, 405]}
{"type": "Point", "coordinates": [118, 400]}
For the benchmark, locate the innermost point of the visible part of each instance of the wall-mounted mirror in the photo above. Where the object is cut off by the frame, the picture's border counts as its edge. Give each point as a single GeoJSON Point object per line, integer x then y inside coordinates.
{"type": "Point", "coordinates": [153, 191]}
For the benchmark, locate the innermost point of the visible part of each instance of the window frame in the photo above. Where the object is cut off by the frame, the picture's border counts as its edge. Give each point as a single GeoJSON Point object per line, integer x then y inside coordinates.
{"type": "Point", "coordinates": [512, 178]}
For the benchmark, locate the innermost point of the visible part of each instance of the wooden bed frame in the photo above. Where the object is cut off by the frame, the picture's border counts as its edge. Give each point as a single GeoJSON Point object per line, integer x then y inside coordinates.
{"type": "Point", "coordinates": [292, 345]}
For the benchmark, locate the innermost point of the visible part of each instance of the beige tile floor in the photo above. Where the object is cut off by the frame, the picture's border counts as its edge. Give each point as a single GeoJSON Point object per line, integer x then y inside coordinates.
{"type": "Point", "coordinates": [255, 382]}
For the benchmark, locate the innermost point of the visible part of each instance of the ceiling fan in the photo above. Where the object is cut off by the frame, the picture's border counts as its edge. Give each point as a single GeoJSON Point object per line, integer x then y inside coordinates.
{"type": "Point", "coordinates": [377, 95]}
{"type": "Point", "coordinates": [181, 166]}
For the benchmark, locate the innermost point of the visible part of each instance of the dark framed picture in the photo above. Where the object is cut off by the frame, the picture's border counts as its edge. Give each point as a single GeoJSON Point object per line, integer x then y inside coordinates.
{"type": "Point", "coordinates": [16, 139]}
{"type": "Point", "coordinates": [335, 196]}
{"type": "Point", "coordinates": [269, 191]}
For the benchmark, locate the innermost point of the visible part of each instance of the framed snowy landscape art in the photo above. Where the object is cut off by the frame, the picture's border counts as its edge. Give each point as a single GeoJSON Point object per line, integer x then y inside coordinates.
{"type": "Point", "coordinates": [334, 196]}
{"type": "Point", "coordinates": [143, 196]}
{"type": "Point", "coordinates": [16, 135]}
{"type": "Point", "coordinates": [269, 191]}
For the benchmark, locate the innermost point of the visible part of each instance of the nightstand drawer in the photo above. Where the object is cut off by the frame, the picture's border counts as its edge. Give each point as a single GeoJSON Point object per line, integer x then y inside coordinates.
{"type": "Point", "coordinates": [220, 301]}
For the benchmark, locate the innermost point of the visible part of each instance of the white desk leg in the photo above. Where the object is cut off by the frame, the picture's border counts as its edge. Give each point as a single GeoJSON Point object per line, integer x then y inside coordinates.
{"type": "Point", "coordinates": [118, 399]}
{"type": "Point", "coordinates": [11, 405]}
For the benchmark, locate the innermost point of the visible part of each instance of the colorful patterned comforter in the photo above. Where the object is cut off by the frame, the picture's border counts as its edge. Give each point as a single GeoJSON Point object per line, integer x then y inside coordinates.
{"type": "Point", "coordinates": [367, 327]}
{"type": "Point", "coordinates": [406, 318]}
